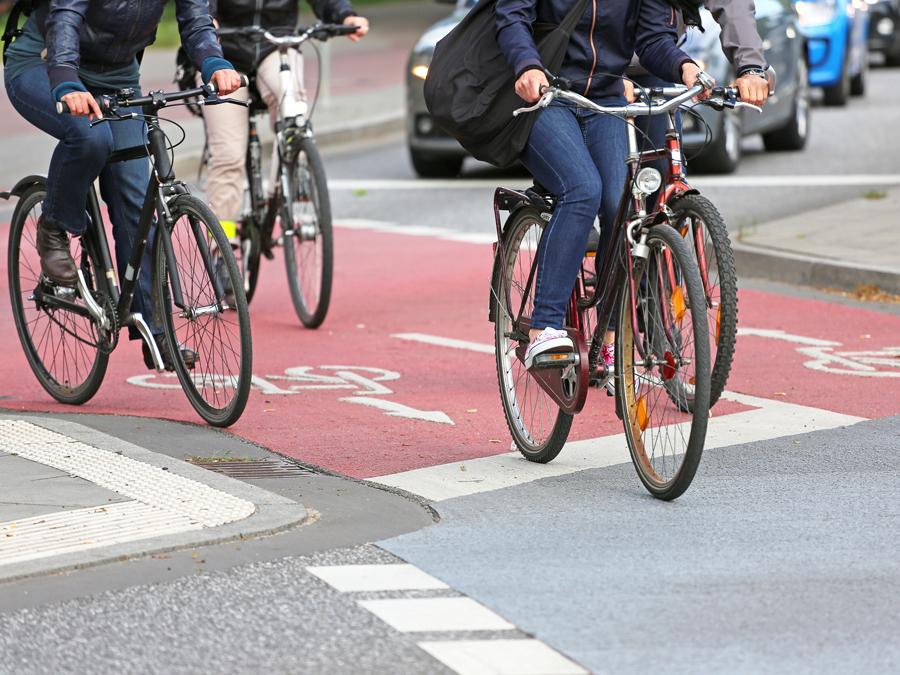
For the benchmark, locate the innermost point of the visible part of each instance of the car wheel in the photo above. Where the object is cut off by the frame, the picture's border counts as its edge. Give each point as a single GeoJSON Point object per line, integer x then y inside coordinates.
{"type": "Point", "coordinates": [858, 81]}
{"type": "Point", "coordinates": [723, 154]}
{"type": "Point", "coordinates": [793, 135]}
{"type": "Point", "coordinates": [839, 93]}
{"type": "Point", "coordinates": [430, 166]}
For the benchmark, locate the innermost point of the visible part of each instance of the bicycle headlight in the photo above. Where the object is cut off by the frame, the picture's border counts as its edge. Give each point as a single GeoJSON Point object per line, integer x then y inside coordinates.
{"type": "Point", "coordinates": [648, 180]}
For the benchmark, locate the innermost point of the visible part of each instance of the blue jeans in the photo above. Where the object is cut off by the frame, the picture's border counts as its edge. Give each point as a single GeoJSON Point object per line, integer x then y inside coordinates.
{"type": "Point", "coordinates": [79, 159]}
{"type": "Point", "coordinates": [579, 156]}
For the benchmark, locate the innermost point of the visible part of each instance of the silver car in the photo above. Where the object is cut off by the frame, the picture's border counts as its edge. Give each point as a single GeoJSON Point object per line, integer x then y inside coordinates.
{"type": "Point", "coordinates": [715, 143]}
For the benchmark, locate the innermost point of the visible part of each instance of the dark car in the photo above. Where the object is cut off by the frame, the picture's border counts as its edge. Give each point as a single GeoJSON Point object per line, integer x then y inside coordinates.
{"type": "Point", "coordinates": [784, 122]}
{"type": "Point", "coordinates": [712, 140]}
{"type": "Point", "coordinates": [884, 30]}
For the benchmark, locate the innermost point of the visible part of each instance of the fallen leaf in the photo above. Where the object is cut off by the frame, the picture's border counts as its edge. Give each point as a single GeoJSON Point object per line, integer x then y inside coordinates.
{"type": "Point", "coordinates": [463, 468]}
{"type": "Point", "coordinates": [472, 410]}
{"type": "Point", "coordinates": [493, 441]}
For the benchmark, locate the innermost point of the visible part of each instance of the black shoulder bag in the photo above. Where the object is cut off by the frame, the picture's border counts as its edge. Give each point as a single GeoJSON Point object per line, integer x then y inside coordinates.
{"type": "Point", "coordinates": [470, 90]}
{"type": "Point", "coordinates": [12, 30]}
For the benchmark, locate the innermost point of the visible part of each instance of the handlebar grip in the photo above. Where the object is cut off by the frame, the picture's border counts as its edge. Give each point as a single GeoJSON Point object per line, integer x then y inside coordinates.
{"type": "Point", "coordinates": [61, 107]}
{"type": "Point", "coordinates": [214, 88]}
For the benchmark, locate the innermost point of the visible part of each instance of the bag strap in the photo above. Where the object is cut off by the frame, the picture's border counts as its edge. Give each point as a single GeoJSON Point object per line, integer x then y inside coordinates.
{"type": "Point", "coordinates": [12, 30]}
{"type": "Point", "coordinates": [571, 20]}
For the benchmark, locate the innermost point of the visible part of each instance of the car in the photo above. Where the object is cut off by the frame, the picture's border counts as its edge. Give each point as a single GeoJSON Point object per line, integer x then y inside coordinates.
{"type": "Point", "coordinates": [884, 30]}
{"type": "Point", "coordinates": [784, 122]}
{"type": "Point", "coordinates": [837, 34]}
{"type": "Point", "coordinates": [711, 139]}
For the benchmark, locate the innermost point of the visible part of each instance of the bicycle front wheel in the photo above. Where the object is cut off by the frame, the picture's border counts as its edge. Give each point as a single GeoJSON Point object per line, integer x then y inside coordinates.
{"type": "Point", "coordinates": [189, 298]}
{"type": "Point", "coordinates": [538, 426]}
{"type": "Point", "coordinates": [308, 237]}
{"type": "Point", "coordinates": [701, 225]}
{"type": "Point", "coordinates": [62, 345]}
{"type": "Point", "coordinates": [663, 395]}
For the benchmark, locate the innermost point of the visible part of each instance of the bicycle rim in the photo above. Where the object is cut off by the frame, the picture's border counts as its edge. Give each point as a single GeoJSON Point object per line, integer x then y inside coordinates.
{"type": "Point", "coordinates": [308, 237]}
{"type": "Point", "coordinates": [247, 256]}
{"type": "Point", "coordinates": [664, 400]}
{"type": "Point", "coordinates": [702, 227]}
{"type": "Point", "coordinates": [538, 427]}
{"type": "Point", "coordinates": [218, 385]}
{"type": "Point", "coordinates": [61, 346]}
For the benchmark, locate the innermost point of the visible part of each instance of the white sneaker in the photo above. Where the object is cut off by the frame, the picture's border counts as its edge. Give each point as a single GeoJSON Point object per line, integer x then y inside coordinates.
{"type": "Point", "coordinates": [549, 340]}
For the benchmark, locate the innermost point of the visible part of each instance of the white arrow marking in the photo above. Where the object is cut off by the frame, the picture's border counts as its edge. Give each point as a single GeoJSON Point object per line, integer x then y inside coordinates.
{"type": "Point", "coordinates": [399, 410]}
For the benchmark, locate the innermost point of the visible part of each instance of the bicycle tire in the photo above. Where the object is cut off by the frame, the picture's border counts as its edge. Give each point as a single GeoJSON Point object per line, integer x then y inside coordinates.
{"type": "Point", "coordinates": [308, 237]}
{"type": "Point", "coordinates": [538, 426]}
{"type": "Point", "coordinates": [248, 262]}
{"type": "Point", "coordinates": [665, 438]}
{"type": "Point", "coordinates": [61, 346]}
{"type": "Point", "coordinates": [696, 215]}
{"type": "Point", "coordinates": [218, 386]}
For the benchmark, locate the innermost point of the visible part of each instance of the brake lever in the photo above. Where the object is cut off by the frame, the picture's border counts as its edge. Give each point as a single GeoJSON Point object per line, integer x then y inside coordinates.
{"type": "Point", "coordinates": [543, 102]}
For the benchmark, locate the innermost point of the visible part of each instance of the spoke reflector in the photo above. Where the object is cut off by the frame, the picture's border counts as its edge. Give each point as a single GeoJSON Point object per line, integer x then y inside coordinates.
{"type": "Point", "coordinates": [678, 305]}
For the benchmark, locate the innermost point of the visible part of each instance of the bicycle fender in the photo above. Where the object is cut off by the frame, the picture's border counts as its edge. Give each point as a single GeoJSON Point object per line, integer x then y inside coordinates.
{"type": "Point", "coordinates": [23, 185]}
{"type": "Point", "coordinates": [496, 281]}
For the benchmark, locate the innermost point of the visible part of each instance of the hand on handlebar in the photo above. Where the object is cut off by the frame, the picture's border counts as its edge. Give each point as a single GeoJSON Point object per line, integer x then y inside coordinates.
{"type": "Point", "coordinates": [531, 84]}
{"type": "Point", "coordinates": [689, 73]}
{"type": "Point", "coordinates": [362, 27]}
{"type": "Point", "coordinates": [754, 90]}
{"type": "Point", "coordinates": [81, 103]}
{"type": "Point", "coordinates": [228, 81]}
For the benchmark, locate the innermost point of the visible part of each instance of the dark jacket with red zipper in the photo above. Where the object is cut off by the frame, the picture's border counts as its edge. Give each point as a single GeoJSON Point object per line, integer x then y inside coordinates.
{"type": "Point", "coordinates": [602, 44]}
{"type": "Point", "coordinates": [269, 14]}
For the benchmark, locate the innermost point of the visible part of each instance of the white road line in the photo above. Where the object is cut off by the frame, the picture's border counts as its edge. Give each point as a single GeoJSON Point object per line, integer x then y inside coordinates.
{"type": "Point", "coordinates": [173, 502]}
{"type": "Point", "coordinates": [417, 231]}
{"type": "Point", "coordinates": [371, 578]}
{"type": "Point", "coordinates": [501, 657]}
{"type": "Point", "coordinates": [747, 182]}
{"type": "Point", "coordinates": [424, 615]}
{"type": "Point", "coordinates": [445, 342]}
{"type": "Point", "coordinates": [769, 419]}
{"type": "Point", "coordinates": [787, 337]}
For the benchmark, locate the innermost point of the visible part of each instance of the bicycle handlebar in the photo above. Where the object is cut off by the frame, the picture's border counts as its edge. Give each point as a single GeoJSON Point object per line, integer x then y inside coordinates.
{"type": "Point", "coordinates": [320, 31]}
{"type": "Point", "coordinates": [158, 99]}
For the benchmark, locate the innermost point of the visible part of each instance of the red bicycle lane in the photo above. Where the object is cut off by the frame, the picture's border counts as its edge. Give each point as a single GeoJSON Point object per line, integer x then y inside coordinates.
{"type": "Point", "coordinates": [351, 396]}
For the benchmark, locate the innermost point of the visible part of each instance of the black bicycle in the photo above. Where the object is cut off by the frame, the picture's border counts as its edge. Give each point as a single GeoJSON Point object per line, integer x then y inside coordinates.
{"type": "Point", "coordinates": [68, 332]}
{"type": "Point", "coordinates": [300, 205]}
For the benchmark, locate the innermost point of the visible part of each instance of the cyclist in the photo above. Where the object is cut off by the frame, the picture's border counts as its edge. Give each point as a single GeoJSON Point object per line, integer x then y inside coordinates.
{"type": "Point", "coordinates": [227, 126]}
{"type": "Point", "coordinates": [71, 51]}
{"type": "Point", "coordinates": [577, 154]}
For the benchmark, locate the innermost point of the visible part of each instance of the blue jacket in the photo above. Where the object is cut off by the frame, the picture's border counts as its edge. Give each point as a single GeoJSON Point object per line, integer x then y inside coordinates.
{"type": "Point", "coordinates": [101, 35]}
{"type": "Point", "coordinates": [602, 44]}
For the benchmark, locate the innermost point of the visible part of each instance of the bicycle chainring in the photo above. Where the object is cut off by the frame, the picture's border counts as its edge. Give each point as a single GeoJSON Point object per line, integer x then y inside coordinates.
{"type": "Point", "coordinates": [107, 340]}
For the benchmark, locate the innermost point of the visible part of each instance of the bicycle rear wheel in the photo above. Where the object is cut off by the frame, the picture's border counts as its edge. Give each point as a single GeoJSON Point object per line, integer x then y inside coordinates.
{"type": "Point", "coordinates": [62, 346]}
{"type": "Point", "coordinates": [538, 427]}
{"type": "Point", "coordinates": [308, 237]}
{"type": "Point", "coordinates": [664, 400]}
{"type": "Point", "coordinates": [218, 385]}
{"type": "Point", "coordinates": [703, 228]}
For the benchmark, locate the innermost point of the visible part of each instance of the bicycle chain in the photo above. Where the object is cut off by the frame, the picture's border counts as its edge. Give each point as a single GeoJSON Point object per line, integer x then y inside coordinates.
{"type": "Point", "coordinates": [104, 345]}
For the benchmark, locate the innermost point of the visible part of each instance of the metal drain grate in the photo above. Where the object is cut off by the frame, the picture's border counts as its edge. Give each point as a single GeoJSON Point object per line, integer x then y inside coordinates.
{"type": "Point", "coordinates": [266, 468]}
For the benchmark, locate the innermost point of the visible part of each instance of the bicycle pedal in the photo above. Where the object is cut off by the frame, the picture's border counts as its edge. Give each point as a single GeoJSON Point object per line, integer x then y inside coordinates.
{"type": "Point", "coordinates": [548, 361]}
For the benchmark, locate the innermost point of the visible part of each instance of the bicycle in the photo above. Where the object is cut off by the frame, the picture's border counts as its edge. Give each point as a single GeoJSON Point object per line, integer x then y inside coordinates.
{"type": "Point", "coordinates": [650, 278]}
{"type": "Point", "coordinates": [68, 332]}
{"type": "Point", "coordinates": [301, 203]}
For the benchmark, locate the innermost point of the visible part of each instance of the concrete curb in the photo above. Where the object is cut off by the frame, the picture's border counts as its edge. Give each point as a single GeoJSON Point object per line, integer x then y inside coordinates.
{"type": "Point", "coordinates": [801, 270]}
{"type": "Point", "coordinates": [274, 513]}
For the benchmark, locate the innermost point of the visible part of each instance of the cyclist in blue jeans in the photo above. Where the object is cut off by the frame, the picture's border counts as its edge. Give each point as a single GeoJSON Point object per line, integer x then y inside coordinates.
{"type": "Point", "coordinates": [577, 154]}
{"type": "Point", "coordinates": [71, 51]}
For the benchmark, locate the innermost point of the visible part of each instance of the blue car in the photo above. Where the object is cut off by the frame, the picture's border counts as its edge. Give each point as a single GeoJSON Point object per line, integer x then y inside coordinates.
{"type": "Point", "coordinates": [837, 37]}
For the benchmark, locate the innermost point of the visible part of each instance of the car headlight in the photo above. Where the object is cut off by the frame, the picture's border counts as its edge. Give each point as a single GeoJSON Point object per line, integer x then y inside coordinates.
{"type": "Point", "coordinates": [418, 64]}
{"type": "Point", "coordinates": [816, 12]}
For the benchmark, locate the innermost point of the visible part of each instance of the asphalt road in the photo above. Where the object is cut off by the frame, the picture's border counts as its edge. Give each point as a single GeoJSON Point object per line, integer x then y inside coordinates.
{"type": "Point", "coordinates": [782, 557]}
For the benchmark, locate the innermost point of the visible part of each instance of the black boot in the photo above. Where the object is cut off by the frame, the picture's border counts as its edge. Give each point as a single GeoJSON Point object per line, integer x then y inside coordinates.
{"type": "Point", "coordinates": [56, 260]}
{"type": "Point", "coordinates": [187, 355]}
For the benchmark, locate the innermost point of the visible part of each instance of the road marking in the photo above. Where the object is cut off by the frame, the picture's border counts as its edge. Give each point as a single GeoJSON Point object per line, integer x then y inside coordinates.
{"type": "Point", "coordinates": [372, 578]}
{"type": "Point", "coordinates": [394, 409]}
{"type": "Point", "coordinates": [445, 342]}
{"type": "Point", "coordinates": [789, 181]}
{"type": "Point", "coordinates": [425, 615]}
{"type": "Point", "coordinates": [769, 419]}
{"type": "Point", "coordinates": [417, 231]}
{"type": "Point", "coordinates": [501, 657]}
{"type": "Point", "coordinates": [787, 337]}
{"type": "Point", "coordinates": [163, 502]}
